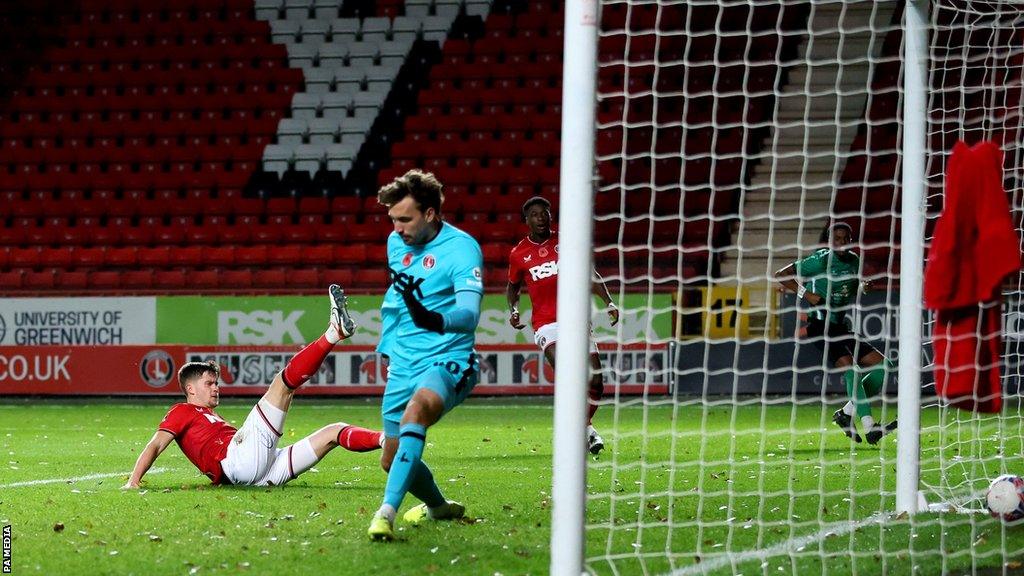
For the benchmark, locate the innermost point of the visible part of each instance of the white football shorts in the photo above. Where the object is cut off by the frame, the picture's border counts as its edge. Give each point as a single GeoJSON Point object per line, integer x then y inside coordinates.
{"type": "Point", "coordinates": [547, 335]}
{"type": "Point", "coordinates": [253, 458]}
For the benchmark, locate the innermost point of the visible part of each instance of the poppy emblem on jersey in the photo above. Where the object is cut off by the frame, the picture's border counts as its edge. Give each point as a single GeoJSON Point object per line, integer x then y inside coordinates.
{"type": "Point", "coordinates": [542, 252]}
{"type": "Point", "coordinates": [428, 261]}
{"type": "Point", "coordinates": [407, 259]}
{"type": "Point", "coordinates": [156, 368]}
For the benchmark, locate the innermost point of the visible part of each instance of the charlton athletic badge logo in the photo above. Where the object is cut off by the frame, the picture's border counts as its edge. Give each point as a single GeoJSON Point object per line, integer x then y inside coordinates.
{"type": "Point", "coordinates": [542, 252]}
{"type": "Point", "coordinates": [428, 261]}
{"type": "Point", "coordinates": [407, 259]}
{"type": "Point", "coordinates": [156, 368]}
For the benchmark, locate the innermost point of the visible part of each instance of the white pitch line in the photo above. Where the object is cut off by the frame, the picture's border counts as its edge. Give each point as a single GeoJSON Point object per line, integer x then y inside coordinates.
{"type": "Point", "coordinates": [76, 478]}
{"type": "Point", "coordinates": [836, 529]}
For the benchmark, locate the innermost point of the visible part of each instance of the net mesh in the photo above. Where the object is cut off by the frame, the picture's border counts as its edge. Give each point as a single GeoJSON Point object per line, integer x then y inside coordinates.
{"type": "Point", "coordinates": [776, 119]}
{"type": "Point", "coordinates": [977, 57]}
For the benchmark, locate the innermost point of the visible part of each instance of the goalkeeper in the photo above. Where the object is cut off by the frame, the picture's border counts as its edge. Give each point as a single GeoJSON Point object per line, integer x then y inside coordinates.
{"type": "Point", "coordinates": [828, 280]}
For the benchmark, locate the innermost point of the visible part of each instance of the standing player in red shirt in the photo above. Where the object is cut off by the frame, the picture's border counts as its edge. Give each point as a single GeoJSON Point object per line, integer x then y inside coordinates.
{"type": "Point", "coordinates": [534, 262]}
{"type": "Point", "coordinates": [249, 455]}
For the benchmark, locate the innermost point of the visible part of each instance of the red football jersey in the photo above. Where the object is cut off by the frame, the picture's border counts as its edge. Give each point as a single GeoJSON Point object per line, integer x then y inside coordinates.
{"type": "Point", "coordinates": [202, 435]}
{"type": "Point", "coordinates": [537, 266]}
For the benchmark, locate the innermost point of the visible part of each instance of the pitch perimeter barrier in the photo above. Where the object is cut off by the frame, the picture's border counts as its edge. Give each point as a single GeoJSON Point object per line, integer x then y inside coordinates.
{"type": "Point", "coordinates": [247, 370]}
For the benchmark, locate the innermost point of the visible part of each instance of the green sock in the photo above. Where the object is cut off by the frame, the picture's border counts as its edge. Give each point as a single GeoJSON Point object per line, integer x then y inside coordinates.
{"type": "Point", "coordinates": [874, 380]}
{"type": "Point", "coordinates": [855, 389]}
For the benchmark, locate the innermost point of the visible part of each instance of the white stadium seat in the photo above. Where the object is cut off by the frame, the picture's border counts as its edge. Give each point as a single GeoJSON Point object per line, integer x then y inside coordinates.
{"type": "Point", "coordinates": [345, 26]}
{"type": "Point", "coordinates": [313, 31]}
{"type": "Point", "coordinates": [291, 131]}
{"type": "Point", "coordinates": [335, 105]}
{"type": "Point", "coordinates": [332, 54]}
{"type": "Point", "coordinates": [301, 55]}
{"type": "Point", "coordinates": [305, 106]}
{"type": "Point", "coordinates": [277, 158]}
{"type": "Point", "coordinates": [268, 9]}
{"type": "Point", "coordinates": [326, 9]}
{"type": "Point", "coordinates": [284, 31]}
{"type": "Point", "coordinates": [297, 9]}
{"type": "Point", "coordinates": [309, 158]}
{"type": "Point", "coordinates": [319, 80]}
{"type": "Point", "coordinates": [323, 131]}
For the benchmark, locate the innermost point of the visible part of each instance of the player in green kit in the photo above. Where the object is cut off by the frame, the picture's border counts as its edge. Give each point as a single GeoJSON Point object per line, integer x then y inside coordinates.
{"type": "Point", "coordinates": [829, 280]}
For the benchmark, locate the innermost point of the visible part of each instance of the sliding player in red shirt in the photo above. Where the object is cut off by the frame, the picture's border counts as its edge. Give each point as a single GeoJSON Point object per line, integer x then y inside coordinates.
{"type": "Point", "coordinates": [249, 455]}
{"type": "Point", "coordinates": [534, 262]}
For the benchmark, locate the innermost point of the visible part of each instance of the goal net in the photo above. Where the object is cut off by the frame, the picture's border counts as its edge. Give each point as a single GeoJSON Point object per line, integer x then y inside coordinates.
{"type": "Point", "coordinates": [977, 56]}
{"type": "Point", "coordinates": [730, 135]}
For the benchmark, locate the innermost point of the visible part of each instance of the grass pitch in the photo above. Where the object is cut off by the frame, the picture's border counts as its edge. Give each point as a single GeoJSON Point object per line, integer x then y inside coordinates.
{"type": "Point", "coordinates": [779, 492]}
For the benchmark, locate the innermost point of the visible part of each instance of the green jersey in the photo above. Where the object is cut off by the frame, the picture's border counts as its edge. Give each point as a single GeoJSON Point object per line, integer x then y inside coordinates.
{"type": "Point", "coordinates": [834, 278]}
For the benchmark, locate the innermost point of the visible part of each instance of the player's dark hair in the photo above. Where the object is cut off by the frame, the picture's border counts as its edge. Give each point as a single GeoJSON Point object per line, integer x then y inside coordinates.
{"type": "Point", "coordinates": [826, 232]}
{"type": "Point", "coordinates": [192, 370]}
{"type": "Point", "coordinates": [536, 200]}
{"type": "Point", "coordinates": [424, 187]}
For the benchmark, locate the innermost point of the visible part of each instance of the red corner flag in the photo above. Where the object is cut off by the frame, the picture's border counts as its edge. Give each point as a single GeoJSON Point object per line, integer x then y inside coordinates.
{"type": "Point", "coordinates": [973, 249]}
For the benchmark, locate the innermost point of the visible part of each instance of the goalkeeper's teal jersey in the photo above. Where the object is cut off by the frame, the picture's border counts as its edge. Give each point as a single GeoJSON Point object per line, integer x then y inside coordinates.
{"type": "Point", "coordinates": [834, 278]}
{"type": "Point", "coordinates": [451, 262]}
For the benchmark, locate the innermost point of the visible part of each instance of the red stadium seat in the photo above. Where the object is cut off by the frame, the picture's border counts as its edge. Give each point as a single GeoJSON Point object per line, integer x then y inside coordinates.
{"type": "Point", "coordinates": [74, 280]}
{"type": "Point", "coordinates": [169, 279]}
{"type": "Point", "coordinates": [137, 279]}
{"type": "Point", "coordinates": [342, 276]}
{"type": "Point", "coordinates": [236, 279]}
{"type": "Point", "coordinates": [289, 254]}
{"type": "Point", "coordinates": [350, 254]}
{"type": "Point", "coordinates": [45, 279]}
{"type": "Point", "coordinates": [371, 278]}
{"type": "Point", "coordinates": [104, 279]}
{"type": "Point", "coordinates": [219, 256]}
{"type": "Point", "coordinates": [12, 280]}
{"type": "Point", "coordinates": [271, 278]}
{"type": "Point", "coordinates": [253, 256]}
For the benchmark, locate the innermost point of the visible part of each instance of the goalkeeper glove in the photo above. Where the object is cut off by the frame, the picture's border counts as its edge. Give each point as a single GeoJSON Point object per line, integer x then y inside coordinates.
{"type": "Point", "coordinates": [421, 317]}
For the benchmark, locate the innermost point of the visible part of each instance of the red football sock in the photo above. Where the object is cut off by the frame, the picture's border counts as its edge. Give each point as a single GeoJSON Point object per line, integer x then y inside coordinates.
{"type": "Point", "coordinates": [593, 396]}
{"type": "Point", "coordinates": [591, 409]}
{"type": "Point", "coordinates": [358, 439]}
{"type": "Point", "coordinates": [304, 364]}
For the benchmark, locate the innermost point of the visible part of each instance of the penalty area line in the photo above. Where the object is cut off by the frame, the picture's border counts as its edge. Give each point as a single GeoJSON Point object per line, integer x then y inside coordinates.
{"type": "Point", "coordinates": [77, 478]}
{"type": "Point", "coordinates": [787, 547]}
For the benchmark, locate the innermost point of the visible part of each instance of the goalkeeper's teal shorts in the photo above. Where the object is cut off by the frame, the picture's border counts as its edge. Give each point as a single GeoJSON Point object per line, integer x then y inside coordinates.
{"type": "Point", "coordinates": [451, 379]}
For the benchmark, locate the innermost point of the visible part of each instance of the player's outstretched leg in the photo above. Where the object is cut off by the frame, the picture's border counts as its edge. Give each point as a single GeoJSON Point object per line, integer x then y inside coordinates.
{"type": "Point", "coordinates": [307, 362]}
{"type": "Point", "coordinates": [339, 312]}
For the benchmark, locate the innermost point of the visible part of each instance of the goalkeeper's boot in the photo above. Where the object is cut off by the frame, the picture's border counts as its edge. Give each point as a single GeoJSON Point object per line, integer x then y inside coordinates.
{"type": "Point", "coordinates": [845, 423]}
{"type": "Point", "coordinates": [876, 433]}
{"type": "Point", "coordinates": [340, 317]}
{"type": "Point", "coordinates": [381, 529]}
{"type": "Point", "coordinates": [450, 511]}
{"type": "Point", "coordinates": [594, 441]}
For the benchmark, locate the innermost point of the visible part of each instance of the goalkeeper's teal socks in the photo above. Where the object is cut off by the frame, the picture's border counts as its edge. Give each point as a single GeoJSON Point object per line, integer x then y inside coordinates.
{"type": "Point", "coordinates": [411, 438]}
{"type": "Point", "coordinates": [424, 487]}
